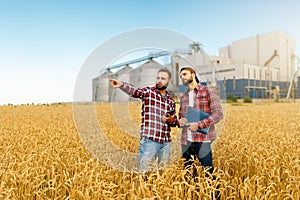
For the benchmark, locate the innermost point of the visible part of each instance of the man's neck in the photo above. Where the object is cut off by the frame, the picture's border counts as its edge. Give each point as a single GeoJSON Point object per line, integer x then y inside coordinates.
{"type": "Point", "coordinates": [163, 92]}
{"type": "Point", "coordinates": [193, 85]}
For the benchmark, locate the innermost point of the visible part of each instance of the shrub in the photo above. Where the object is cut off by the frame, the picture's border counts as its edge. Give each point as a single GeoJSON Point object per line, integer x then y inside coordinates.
{"type": "Point", "coordinates": [231, 98]}
{"type": "Point", "coordinates": [247, 100]}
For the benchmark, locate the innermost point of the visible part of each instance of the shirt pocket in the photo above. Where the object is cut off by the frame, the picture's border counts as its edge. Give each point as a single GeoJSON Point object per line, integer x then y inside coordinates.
{"type": "Point", "coordinates": [201, 101]}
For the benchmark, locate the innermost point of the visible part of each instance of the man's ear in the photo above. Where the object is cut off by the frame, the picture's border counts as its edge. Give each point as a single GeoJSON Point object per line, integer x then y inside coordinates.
{"type": "Point", "coordinates": [194, 75]}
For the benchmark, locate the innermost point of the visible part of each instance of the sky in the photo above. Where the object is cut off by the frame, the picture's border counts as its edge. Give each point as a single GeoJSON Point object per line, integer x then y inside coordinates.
{"type": "Point", "coordinates": [44, 43]}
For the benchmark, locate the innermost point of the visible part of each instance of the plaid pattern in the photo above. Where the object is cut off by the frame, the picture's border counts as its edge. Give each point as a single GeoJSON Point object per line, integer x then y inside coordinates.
{"type": "Point", "coordinates": [154, 106]}
{"type": "Point", "coordinates": [207, 100]}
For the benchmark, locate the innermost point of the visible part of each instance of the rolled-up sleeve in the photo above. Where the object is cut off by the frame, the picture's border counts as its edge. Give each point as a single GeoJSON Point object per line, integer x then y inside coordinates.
{"type": "Point", "coordinates": [216, 110]}
{"type": "Point", "coordinates": [132, 91]}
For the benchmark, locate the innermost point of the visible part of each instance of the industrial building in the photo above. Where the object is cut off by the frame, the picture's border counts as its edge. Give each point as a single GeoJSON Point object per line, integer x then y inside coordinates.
{"type": "Point", "coordinates": [263, 66]}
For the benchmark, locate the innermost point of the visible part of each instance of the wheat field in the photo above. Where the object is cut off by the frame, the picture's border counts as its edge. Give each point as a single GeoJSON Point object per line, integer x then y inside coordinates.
{"type": "Point", "coordinates": [256, 156]}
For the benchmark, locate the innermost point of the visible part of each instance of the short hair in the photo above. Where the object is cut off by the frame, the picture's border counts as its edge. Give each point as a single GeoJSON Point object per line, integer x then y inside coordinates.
{"type": "Point", "coordinates": [165, 70]}
{"type": "Point", "coordinates": [192, 71]}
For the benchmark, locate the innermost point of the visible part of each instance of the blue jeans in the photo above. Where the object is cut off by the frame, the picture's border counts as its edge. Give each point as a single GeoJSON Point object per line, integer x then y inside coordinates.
{"type": "Point", "coordinates": [201, 150]}
{"type": "Point", "coordinates": [149, 150]}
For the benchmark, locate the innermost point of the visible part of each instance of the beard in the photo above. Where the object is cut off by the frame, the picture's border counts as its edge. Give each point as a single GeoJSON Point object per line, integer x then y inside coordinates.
{"type": "Point", "coordinates": [188, 81]}
{"type": "Point", "coordinates": [162, 87]}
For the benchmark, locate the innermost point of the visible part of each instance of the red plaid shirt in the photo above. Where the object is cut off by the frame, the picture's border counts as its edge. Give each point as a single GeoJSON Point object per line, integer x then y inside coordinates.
{"type": "Point", "coordinates": [154, 106]}
{"type": "Point", "coordinates": [207, 100]}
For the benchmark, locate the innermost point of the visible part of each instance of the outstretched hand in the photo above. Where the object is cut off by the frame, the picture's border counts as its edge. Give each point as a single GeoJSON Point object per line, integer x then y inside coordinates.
{"type": "Point", "coordinates": [115, 83]}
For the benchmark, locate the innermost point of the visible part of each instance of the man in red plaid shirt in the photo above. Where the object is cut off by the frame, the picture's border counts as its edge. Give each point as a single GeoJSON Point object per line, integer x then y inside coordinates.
{"type": "Point", "coordinates": [193, 143]}
{"type": "Point", "coordinates": [158, 115]}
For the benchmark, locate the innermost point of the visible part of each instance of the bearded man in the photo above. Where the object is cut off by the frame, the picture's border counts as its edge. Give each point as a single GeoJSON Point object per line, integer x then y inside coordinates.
{"type": "Point", "coordinates": [158, 116]}
{"type": "Point", "coordinates": [194, 143]}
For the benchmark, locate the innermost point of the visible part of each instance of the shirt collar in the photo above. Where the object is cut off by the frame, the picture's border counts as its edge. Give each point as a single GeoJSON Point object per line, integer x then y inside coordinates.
{"type": "Point", "coordinates": [198, 87]}
{"type": "Point", "coordinates": [154, 88]}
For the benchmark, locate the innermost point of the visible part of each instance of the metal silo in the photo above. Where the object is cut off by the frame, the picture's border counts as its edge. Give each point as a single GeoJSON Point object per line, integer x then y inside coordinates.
{"type": "Point", "coordinates": [145, 75]}
{"type": "Point", "coordinates": [95, 83]}
{"type": "Point", "coordinates": [102, 90]}
{"type": "Point", "coordinates": [121, 75]}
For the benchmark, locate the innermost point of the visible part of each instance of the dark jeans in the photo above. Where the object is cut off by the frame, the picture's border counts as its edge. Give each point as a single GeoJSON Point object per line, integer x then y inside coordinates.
{"type": "Point", "coordinates": [201, 150]}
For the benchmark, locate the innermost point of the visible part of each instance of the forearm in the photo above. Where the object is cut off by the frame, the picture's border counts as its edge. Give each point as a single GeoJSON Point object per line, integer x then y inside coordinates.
{"type": "Point", "coordinates": [131, 90]}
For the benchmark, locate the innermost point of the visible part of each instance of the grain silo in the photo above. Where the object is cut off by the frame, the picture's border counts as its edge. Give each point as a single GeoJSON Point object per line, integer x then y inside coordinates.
{"type": "Point", "coordinates": [145, 75]}
{"type": "Point", "coordinates": [121, 75]}
{"type": "Point", "coordinates": [101, 87]}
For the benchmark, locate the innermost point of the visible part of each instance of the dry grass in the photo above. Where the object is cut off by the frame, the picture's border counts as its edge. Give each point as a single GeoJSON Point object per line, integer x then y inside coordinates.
{"type": "Point", "coordinates": [42, 157]}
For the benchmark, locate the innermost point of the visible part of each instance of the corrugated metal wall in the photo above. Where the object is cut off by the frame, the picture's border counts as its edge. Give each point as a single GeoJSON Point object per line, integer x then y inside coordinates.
{"type": "Point", "coordinates": [145, 75]}
{"type": "Point", "coordinates": [122, 75]}
{"type": "Point", "coordinates": [103, 90]}
{"type": "Point", "coordinates": [239, 88]}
